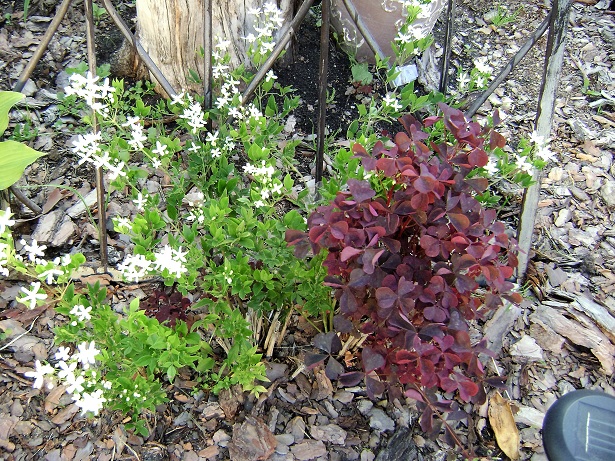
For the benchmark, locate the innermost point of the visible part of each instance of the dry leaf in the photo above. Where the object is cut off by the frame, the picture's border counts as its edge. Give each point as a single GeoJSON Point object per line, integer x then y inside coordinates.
{"type": "Point", "coordinates": [503, 424]}
{"type": "Point", "coordinates": [54, 197]}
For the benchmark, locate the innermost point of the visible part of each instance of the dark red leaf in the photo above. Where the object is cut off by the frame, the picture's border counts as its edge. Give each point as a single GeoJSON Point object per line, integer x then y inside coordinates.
{"type": "Point", "coordinates": [371, 359]}
{"type": "Point", "coordinates": [386, 297]}
{"type": "Point", "coordinates": [348, 253]}
{"type": "Point", "coordinates": [313, 360]}
{"type": "Point", "coordinates": [419, 202]}
{"type": "Point", "coordinates": [350, 379]}
{"type": "Point", "coordinates": [424, 184]}
{"type": "Point", "coordinates": [478, 158]}
{"type": "Point", "coordinates": [360, 190]}
{"type": "Point", "coordinates": [333, 369]}
{"type": "Point", "coordinates": [460, 221]}
{"type": "Point", "coordinates": [467, 389]}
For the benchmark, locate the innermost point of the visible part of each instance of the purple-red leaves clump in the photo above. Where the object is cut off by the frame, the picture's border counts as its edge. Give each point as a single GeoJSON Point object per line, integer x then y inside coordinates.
{"type": "Point", "coordinates": [406, 261]}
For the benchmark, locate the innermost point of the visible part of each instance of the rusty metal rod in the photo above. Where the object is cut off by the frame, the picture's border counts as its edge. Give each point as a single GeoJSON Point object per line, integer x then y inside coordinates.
{"type": "Point", "coordinates": [100, 184]}
{"type": "Point", "coordinates": [285, 35]}
{"type": "Point", "coordinates": [323, 70]}
{"type": "Point", "coordinates": [40, 49]}
{"type": "Point", "coordinates": [151, 66]}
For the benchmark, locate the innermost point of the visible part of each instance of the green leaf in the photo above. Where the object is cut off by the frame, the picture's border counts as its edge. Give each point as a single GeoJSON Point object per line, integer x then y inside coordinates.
{"type": "Point", "coordinates": [14, 158]}
{"type": "Point", "coordinates": [7, 100]}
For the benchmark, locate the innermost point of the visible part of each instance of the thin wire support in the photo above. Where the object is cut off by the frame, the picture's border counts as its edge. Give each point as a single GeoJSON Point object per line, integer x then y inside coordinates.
{"type": "Point", "coordinates": [323, 71]}
{"type": "Point", "coordinates": [285, 36]}
{"type": "Point", "coordinates": [100, 184]}
{"type": "Point", "coordinates": [509, 67]}
{"type": "Point", "coordinates": [151, 66]}
{"type": "Point", "coordinates": [448, 38]}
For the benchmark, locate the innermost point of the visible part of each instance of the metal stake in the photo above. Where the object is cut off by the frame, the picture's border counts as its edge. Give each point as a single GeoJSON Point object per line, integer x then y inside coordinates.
{"type": "Point", "coordinates": [100, 184]}
{"type": "Point", "coordinates": [558, 23]}
{"type": "Point", "coordinates": [448, 38]}
{"type": "Point", "coordinates": [322, 82]}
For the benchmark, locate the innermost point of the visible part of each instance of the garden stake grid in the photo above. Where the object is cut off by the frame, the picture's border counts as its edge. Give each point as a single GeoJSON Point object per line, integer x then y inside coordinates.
{"type": "Point", "coordinates": [556, 22]}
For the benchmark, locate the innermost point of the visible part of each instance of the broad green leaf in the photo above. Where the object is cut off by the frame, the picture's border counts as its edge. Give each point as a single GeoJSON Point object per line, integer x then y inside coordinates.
{"type": "Point", "coordinates": [7, 100]}
{"type": "Point", "coordinates": [14, 158]}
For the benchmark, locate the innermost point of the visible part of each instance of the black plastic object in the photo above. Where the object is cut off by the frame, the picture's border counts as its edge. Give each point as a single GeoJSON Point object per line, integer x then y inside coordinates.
{"type": "Point", "coordinates": [580, 426]}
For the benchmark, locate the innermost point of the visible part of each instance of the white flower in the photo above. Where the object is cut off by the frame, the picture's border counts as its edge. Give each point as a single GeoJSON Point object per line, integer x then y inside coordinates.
{"type": "Point", "coordinates": [75, 384]}
{"type": "Point", "coordinates": [250, 38]}
{"type": "Point", "coordinates": [49, 275]}
{"type": "Point", "coordinates": [33, 249]}
{"type": "Point", "coordinates": [492, 166]}
{"type": "Point", "coordinates": [172, 260]}
{"type": "Point", "coordinates": [81, 312]}
{"type": "Point", "coordinates": [523, 163]}
{"type": "Point", "coordinates": [66, 260]}
{"type": "Point", "coordinates": [116, 170]}
{"type": "Point", "coordinates": [267, 46]}
{"type": "Point", "coordinates": [39, 373]}
{"type": "Point", "coordinates": [161, 149]}
{"type": "Point", "coordinates": [86, 146]}
{"type": "Point", "coordinates": [258, 204]}
{"type": "Point", "coordinates": [156, 163]}
{"type": "Point", "coordinates": [482, 66]}
{"type": "Point", "coordinates": [545, 153]}
{"type": "Point", "coordinates": [212, 137]}
{"type": "Point", "coordinates": [86, 354]}
{"type": "Point", "coordinates": [63, 353]}
{"type": "Point", "coordinates": [137, 138]}
{"type": "Point", "coordinates": [32, 295]}
{"type": "Point", "coordinates": [195, 116]}
{"type": "Point", "coordinates": [134, 267]}
{"type": "Point", "coordinates": [462, 81]}
{"type": "Point", "coordinates": [107, 384]}
{"type": "Point", "coordinates": [219, 70]}
{"type": "Point", "coordinates": [90, 401]}
{"type": "Point", "coordinates": [391, 101]}
{"type": "Point", "coordinates": [480, 81]}
{"type": "Point", "coordinates": [5, 220]}
{"type": "Point", "coordinates": [178, 98]}
{"type": "Point", "coordinates": [270, 76]}
{"type": "Point", "coordinates": [254, 11]}
{"type": "Point", "coordinates": [140, 201]}
{"type": "Point", "coordinates": [215, 153]}
{"type": "Point", "coordinates": [67, 370]}
{"type": "Point", "coordinates": [277, 188]}
{"type": "Point", "coordinates": [535, 138]}
{"type": "Point", "coordinates": [132, 122]}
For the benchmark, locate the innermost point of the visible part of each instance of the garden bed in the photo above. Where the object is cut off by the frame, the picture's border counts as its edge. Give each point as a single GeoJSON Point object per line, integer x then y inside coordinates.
{"type": "Point", "coordinates": [552, 343]}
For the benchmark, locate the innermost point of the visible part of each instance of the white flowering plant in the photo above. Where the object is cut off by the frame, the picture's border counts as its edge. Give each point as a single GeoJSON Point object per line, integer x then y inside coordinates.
{"type": "Point", "coordinates": [215, 233]}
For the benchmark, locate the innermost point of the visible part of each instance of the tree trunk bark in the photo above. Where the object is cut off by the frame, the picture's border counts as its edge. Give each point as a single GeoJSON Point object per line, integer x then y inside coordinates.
{"type": "Point", "coordinates": [171, 31]}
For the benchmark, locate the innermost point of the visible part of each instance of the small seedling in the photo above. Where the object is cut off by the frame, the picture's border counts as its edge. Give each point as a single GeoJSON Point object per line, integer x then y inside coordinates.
{"type": "Point", "coordinates": [501, 17]}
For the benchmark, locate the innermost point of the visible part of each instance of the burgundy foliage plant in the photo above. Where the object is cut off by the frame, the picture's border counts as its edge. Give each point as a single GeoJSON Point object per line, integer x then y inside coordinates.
{"type": "Point", "coordinates": [413, 256]}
